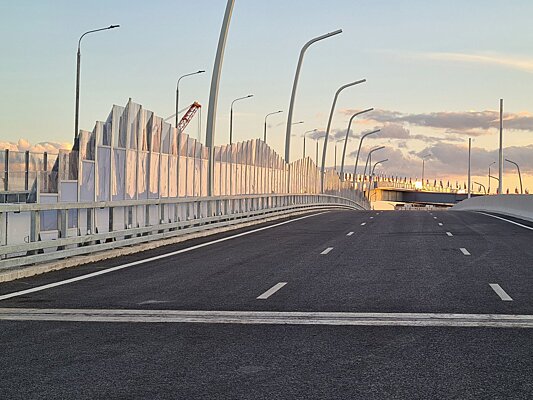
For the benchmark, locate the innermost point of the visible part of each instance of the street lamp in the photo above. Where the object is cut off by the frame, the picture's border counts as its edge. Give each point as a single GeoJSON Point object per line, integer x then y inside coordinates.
{"type": "Point", "coordinates": [178, 92]}
{"type": "Point", "coordinates": [379, 162]}
{"type": "Point", "coordinates": [483, 186]}
{"type": "Point", "coordinates": [370, 155]}
{"type": "Point", "coordinates": [231, 116]}
{"type": "Point", "coordinates": [295, 85]}
{"type": "Point", "coordinates": [371, 180]}
{"type": "Point", "coordinates": [305, 134]}
{"type": "Point", "coordinates": [519, 175]}
{"type": "Point", "coordinates": [78, 67]}
{"type": "Point", "coordinates": [325, 147]}
{"type": "Point", "coordinates": [347, 133]}
{"type": "Point", "coordinates": [358, 151]}
{"type": "Point", "coordinates": [423, 166]}
{"type": "Point", "coordinates": [265, 133]}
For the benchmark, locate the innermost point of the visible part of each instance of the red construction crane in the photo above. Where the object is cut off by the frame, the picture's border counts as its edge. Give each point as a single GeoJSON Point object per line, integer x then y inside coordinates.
{"type": "Point", "coordinates": [188, 116]}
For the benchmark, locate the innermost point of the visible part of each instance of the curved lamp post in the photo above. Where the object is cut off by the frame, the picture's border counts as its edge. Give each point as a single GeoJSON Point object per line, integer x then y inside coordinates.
{"type": "Point", "coordinates": [347, 133]}
{"type": "Point", "coordinates": [325, 147]}
{"type": "Point", "coordinates": [372, 175]}
{"type": "Point", "coordinates": [266, 116]}
{"type": "Point", "coordinates": [231, 116]}
{"type": "Point", "coordinates": [482, 185]}
{"type": "Point", "coordinates": [294, 87]}
{"type": "Point", "coordinates": [178, 92]}
{"type": "Point", "coordinates": [359, 151]}
{"type": "Point", "coordinates": [78, 67]}
{"type": "Point", "coordinates": [370, 155]}
{"type": "Point", "coordinates": [519, 176]}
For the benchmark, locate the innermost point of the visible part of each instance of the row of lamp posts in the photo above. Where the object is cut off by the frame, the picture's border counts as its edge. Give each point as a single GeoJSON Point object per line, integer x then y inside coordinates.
{"type": "Point", "coordinates": [291, 106]}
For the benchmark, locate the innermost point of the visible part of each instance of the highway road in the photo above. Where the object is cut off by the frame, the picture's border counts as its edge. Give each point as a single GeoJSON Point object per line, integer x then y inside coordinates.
{"type": "Point", "coordinates": [330, 305]}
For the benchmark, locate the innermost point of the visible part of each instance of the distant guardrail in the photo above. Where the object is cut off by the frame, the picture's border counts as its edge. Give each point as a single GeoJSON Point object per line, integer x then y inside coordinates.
{"type": "Point", "coordinates": [516, 205]}
{"type": "Point", "coordinates": [190, 215]}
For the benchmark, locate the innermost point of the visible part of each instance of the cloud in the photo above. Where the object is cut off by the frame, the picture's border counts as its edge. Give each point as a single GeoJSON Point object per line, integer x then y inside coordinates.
{"type": "Point", "coordinates": [452, 159]}
{"type": "Point", "coordinates": [41, 147]}
{"type": "Point", "coordinates": [513, 62]}
{"type": "Point", "coordinates": [473, 123]}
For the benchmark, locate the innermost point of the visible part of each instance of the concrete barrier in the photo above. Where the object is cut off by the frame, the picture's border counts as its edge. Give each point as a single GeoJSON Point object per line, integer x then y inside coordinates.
{"type": "Point", "coordinates": [516, 205]}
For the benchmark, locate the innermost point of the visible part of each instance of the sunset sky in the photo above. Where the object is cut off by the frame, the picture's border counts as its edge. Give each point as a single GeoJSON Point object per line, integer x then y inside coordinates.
{"type": "Point", "coordinates": [435, 73]}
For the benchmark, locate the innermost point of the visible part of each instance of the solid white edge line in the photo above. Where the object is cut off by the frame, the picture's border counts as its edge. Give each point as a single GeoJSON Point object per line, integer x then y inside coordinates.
{"type": "Point", "coordinates": [146, 260]}
{"type": "Point", "coordinates": [327, 250]}
{"type": "Point", "coordinates": [500, 292]}
{"type": "Point", "coordinates": [349, 234]}
{"type": "Point", "coordinates": [465, 251]}
{"type": "Point", "coordinates": [506, 220]}
{"type": "Point", "coordinates": [271, 291]}
{"type": "Point", "coordinates": [269, 317]}
{"type": "Point", "coordinates": [449, 233]}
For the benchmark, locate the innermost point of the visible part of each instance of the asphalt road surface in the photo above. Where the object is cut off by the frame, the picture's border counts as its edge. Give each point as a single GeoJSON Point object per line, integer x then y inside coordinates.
{"type": "Point", "coordinates": [334, 305]}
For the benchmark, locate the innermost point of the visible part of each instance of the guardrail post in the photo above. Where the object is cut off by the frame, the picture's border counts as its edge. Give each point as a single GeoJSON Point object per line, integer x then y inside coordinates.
{"type": "Point", "coordinates": [63, 226]}
{"type": "Point", "coordinates": [3, 230]}
{"type": "Point", "coordinates": [6, 170]}
{"type": "Point", "coordinates": [35, 226]}
{"type": "Point", "coordinates": [26, 169]}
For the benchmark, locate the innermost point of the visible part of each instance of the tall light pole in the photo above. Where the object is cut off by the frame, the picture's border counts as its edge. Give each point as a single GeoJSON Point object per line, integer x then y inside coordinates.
{"type": "Point", "coordinates": [370, 155]}
{"type": "Point", "coordinates": [491, 164]}
{"type": "Point", "coordinates": [231, 116]}
{"type": "Point", "coordinates": [500, 154]}
{"type": "Point", "coordinates": [178, 92]}
{"type": "Point", "coordinates": [347, 134]}
{"type": "Point", "coordinates": [423, 166]}
{"type": "Point", "coordinates": [266, 116]}
{"type": "Point", "coordinates": [371, 179]}
{"type": "Point", "coordinates": [482, 185]}
{"type": "Point", "coordinates": [305, 134]}
{"type": "Point", "coordinates": [359, 151]}
{"type": "Point", "coordinates": [377, 163]}
{"type": "Point", "coordinates": [519, 175]}
{"type": "Point", "coordinates": [469, 176]}
{"type": "Point", "coordinates": [295, 86]}
{"type": "Point", "coordinates": [325, 147]}
{"type": "Point", "coordinates": [213, 96]}
{"type": "Point", "coordinates": [78, 68]}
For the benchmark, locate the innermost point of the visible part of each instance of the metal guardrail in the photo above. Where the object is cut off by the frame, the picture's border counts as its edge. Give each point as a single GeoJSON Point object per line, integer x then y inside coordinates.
{"type": "Point", "coordinates": [199, 213]}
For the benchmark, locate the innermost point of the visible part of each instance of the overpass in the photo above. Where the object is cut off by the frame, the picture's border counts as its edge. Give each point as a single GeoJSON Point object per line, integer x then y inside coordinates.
{"type": "Point", "coordinates": [415, 193]}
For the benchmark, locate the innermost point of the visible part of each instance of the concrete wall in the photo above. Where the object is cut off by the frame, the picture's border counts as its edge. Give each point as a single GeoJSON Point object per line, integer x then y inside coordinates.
{"type": "Point", "coordinates": [516, 205]}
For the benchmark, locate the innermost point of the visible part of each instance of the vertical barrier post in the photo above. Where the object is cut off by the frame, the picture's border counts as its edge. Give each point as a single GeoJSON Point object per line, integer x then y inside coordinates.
{"type": "Point", "coordinates": [6, 170]}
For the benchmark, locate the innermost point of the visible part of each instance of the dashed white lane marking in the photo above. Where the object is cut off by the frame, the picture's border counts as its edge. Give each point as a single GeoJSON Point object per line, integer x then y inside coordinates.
{"type": "Point", "coordinates": [327, 250]}
{"type": "Point", "coordinates": [349, 234]}
{"type": "Point", "coordinates": [269, 317]}
{"type": "Point", "coordinates": [464, 251]}
{"type": "Point", "coordinates": [271, 291]}
{"type": "Point", "coordinates": [507, 220]}
{"type": "Point", "coordinates": [434, 217]}
{"type": "Point", "coordinates": [440, 223]}
{"type": "Point", "coordinates": [500, 292]}
{"type": "Point", "coordinates": [146, 260]}
{"type": "Point", "coordinates": [371, 217]}
{"type": "Point", "coordinates": [363, 223]}
{"type": "Point", "coordinates": [449, 233]}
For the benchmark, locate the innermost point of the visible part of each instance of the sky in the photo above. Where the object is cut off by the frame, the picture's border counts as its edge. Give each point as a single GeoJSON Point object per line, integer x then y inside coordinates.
{"type": "Point", "coordinates": [435, 72]}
